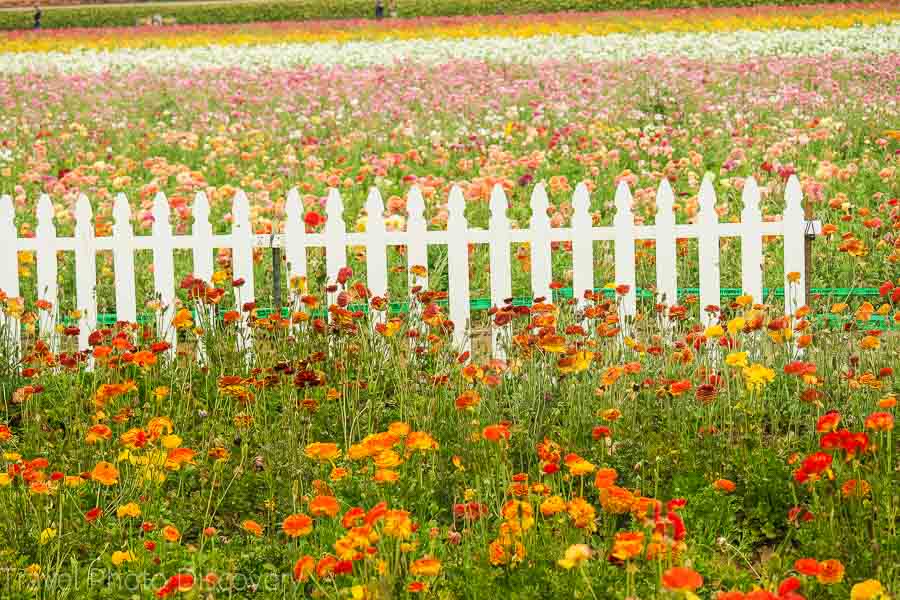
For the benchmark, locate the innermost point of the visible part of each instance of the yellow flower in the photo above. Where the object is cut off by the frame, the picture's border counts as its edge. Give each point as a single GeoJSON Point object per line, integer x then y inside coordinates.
{"type": "Point", "coordinates": [736, 325]}
{"type": "Point", "coordinates": [5, 479]}
{"type": "Point", "coordinates": [736, 359]}
{"type": "Point", "coordinates": [714, 331]}
{"type": "Point", "coordinates": [119, 557]}
{"type": "Point", "coordinates": [128, 510]}
{"type": "Point", "coordinates": [870, 589]}
{"type": "Point", "coordinates": [161, 392]}
{"type": "Point", "coordinates": [757, 376]}
{"type": "Point", "coordinates": [575, 555]}
{"type": "Point", "coordinates": [171, 441]}
{"type": "Point", "coordinates": [47, 535]}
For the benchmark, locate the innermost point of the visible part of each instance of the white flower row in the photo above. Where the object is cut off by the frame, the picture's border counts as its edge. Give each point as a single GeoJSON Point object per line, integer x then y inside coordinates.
{"type": "Point", "coordinates": [733, 45]}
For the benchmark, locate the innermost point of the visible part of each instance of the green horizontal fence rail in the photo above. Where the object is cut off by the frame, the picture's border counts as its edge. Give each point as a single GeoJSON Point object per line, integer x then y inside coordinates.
{"type": "Point", "coordinates": [484, 304]}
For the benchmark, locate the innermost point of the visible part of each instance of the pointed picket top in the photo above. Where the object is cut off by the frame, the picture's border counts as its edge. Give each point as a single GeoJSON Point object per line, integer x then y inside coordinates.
{"type": "Point", "coordinates": [121, 217]}
{"type": "Point", "coordinates": [240, 212]}
{"type": "Point", "coordinates": [45, 214]}
{"type": "Point", "coordinates": [540, 203]}
{"type": "Point", "coordinates": [334, 209]}
{"type": "Point", "coordinates": [415, 207]}
{"type": "Point", "coordinates": [161, 213]}
{"type": "Point", "coordinates": [498, 203]}
{"type": "Point", "coordinates": [581, 202]}
{"type": "Point", "coordinates": [623, 201]}
{"type": "Point", "coordinates": [665, 201]}
{"type": "Point", "coordinates": [456, 205]}
{"type": "Point", "coordinates": [750, 198]}
{"type": "Point", "coordinates": [293, 208]}
{"type": "Point", "coordinates": [200, 211]}
{"type": "Point", "coordinates": [707, 199]}
{"type": "Point", "coordinates": [84, 215]}
{"type": "Point", "coordinates": [374, 210]}
{"type": "Point", "coordinates": [666, 269]}
{"type": "Point", "coordinates": [793, 197]}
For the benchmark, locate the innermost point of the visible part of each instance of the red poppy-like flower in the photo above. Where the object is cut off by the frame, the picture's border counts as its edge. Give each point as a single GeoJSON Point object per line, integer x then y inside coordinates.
{"type": "Point", "coordinates": [682, 579]}
{"type": "Point", "coordinates": [495, 433]}
{"type": "Point", "coordinates": [828, 422]}
{"type": "Point", "coordinates": [807, 566]}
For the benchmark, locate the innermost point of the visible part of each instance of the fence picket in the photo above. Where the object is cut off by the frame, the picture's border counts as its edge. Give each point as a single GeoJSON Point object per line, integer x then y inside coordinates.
{"type": "Point", "coordinates": [458, 267]}
{"type": "Point", "coordinates": [541, 267]}
{"type": "Point", "coordinates": [335, 240]}
{"type": "Point", "coordinates": [582, 244]}
{"type": "Point", "coordinates": [708, 221]}
{"type": "Point", "coordinates": [624, 248]}
{"type": "Point", "coordinates": [376, 250]}
{"type": "Point", "coordinates": [666, 267]}
{"type": "Point", "coordinates": [794, 248]}
{"type": "Point", "coordinates": [203, 239]}
{"type": "Point", "coordinates": [499, 249]}
{"type": "Point", "coordinates": [164, 269]}
{"type": "Point", "coordinates": [85, 270]}
{"type": "Point", "coordinates": [416, 234]}
{"type": "Point", "coordinates": [242, 262]}
{"type": "Point", "coordinates": [9, 266]}
{"type": "Point", "coordinates": [47, 266]}
{"type": "Point", "coordinates": [295, 236]}
{"type": "Point", "coordinates": [123, 260]}
{"type": "Point", "coordinates": [751, 241]}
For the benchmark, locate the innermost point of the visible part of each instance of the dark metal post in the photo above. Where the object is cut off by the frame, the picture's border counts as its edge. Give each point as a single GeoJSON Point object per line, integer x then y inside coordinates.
{"type": "Point", "coordinates": [276, 276]}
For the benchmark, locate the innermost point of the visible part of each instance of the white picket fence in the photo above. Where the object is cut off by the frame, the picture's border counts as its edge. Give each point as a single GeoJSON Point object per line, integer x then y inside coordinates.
{"type": "Point", "coordinates": [376, 239]}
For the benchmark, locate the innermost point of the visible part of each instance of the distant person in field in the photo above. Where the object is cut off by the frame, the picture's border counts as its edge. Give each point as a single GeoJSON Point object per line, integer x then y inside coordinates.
{"type": "Point", "coordinates": [379, 9]}
{"type": "Point", "coordinates": [37, 16]}
{"type": "Point", "coordinates": [393, 4]}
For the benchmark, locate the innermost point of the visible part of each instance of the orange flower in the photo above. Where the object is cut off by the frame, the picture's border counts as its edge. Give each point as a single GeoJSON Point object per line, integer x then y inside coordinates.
{"type": "Point", "coordinates": [321, 506]}
{"type": "Point", "coordinates": [605, 478]}
{"type": "Point", "coordinates": [322, 451]}
{"type": "Point", "coordinates": [252, 527]}
{"type": "Point", "coordinates": [552, 505]}
{"type": "Point", "coordinates": [682, 579]}
{"type": "Point", "coordinates": [856, 489]}
{"type": "Point", "coordinates": [724, 485]}
{"type": "Point", "coordinates": [425, 567]}
{"type": "Point", "coordinates": [807, 566]}
{"type": "Point", "coordinates": [828, 422]}
{"type": "Point", "coordinates": [298, 525]}
{"type": "Point", "coordinates": [467, 400]}
{"type": "Point", "coordinates": [419, 440]}
{"type": "Point", "coordinates": [616, 500]}
{"type": "Point", "coordinates": [98, 433]}
{"type": "Point", "coordinates": [582, 513]}
{"type": "Point", "coordinates": [144, 358]}
{"type": "Point", "coordinates": [304, 567]}
{"type": "Point", "coordinates": [830, 571]}
{"type": "Point", "coordinates": [171, 534]}
{"type": "Point", "coordinates": [105, 473]}
{"type": "Point", "coordinates": [880, 421]}
{"type": "Point", "coordinates": [627, 545]}
{"type": "Point", "coordinates": [495, 433]}
{"type": "Point", "coordinates": [386, 476]}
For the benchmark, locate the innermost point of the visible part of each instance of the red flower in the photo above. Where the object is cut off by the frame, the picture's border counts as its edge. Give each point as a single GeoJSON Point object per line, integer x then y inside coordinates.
{"type": "Point", "coordinates": [93, 514]}
{"type": "Point", "coordinates": [807, 566]}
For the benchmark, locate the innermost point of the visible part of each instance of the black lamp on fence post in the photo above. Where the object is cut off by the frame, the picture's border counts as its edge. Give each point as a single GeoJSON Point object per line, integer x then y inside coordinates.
{"type": "Point", "coordinates": [276, 275]}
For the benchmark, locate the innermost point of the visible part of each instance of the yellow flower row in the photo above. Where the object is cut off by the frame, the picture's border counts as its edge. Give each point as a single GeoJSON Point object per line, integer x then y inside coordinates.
{"type": "Point", "coordinates": [598, 25]}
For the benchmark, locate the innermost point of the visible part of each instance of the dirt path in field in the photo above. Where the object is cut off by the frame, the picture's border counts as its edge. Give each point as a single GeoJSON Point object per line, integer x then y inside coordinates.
{"type": "Point", "coordinates": [28, 7]}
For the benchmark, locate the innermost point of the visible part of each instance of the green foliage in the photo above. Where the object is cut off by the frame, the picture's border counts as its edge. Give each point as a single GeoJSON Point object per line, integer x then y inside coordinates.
{"type": "Point", "coordinates": [305, 10]}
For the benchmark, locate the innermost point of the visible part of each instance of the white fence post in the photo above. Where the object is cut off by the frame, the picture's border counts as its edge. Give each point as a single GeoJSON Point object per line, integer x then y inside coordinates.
{"type": "Point", "coordinates": [582, 245]}
{"type": "Point", "coordinates": [295, 236]}
{"type": "Point", "coordinates": [416, 234]}
{"type": "Point", "coordinates": [624, 249]}
{"type": "Point", "coordinates": [202, 251]}
{"type": "Point", "coordinates": [458, 268]}
{"type": "Point", "coordinates": [376, 251]}
{"type": "Point", "coordinates": [794, 248]}
{"type": "Point", "coordinates": [541, 267]}
{"type": "Point", "coordinates": [85, 270]}
{"type": "Point", "coordinates": [123, 261]}
{"type": "Point", "coordinates": [242, 262]}
{"type": "Point", "coordinates": [335, 240]}
{"type": "Point", "coordinates": [164, 269]}
{"type": "Point", "coordinates": [751, 242]}
{"type": "Point", "coordinates": [666, 266]}
{"type": "Point", "coordinates": [9, 265]}
{"type": "Point", "coordinates": [501, 269]}
{"type": "Point", "coordinates": [47, 266]}
{"type": "Point", "coordinates": [708, 223]}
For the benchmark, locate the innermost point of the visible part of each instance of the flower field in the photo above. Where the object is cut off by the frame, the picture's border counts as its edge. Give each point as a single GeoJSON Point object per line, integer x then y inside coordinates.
{"type": "Point", "coordinates": [602, 457]}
